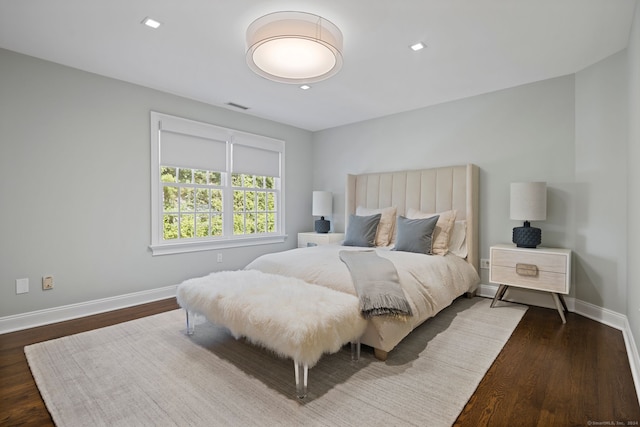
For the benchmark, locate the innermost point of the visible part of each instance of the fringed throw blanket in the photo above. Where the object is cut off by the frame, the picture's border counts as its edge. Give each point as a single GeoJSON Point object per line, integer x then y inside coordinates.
{"type": "Point", "coordinates": [377, 284]}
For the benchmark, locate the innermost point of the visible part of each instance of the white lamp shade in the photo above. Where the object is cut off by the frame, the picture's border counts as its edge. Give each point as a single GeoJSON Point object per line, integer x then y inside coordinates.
{"type": "Point", "coordinates": [294, 47]}
{"type": "Point", "coordinates": [322, 203]}
{"type": "Point", "coordinates": [529, 201]}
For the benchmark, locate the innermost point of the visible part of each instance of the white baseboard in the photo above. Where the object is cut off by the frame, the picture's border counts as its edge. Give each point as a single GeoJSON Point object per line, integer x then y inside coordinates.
{"type": "Point", "coordinates": [634, 357]}
{"type": "Point", "coordinates": [599, 314]}
{"type": "Point", "coordinates": [73, 311]}
{"type": "Point", "coordinates": [602, 315]}
{"type": "Point", "coordinates": [487, 291]}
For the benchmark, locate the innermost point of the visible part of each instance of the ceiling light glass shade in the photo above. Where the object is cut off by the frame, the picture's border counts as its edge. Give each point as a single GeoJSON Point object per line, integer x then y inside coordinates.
{"type": "Point", "coordinates": [294, 47]}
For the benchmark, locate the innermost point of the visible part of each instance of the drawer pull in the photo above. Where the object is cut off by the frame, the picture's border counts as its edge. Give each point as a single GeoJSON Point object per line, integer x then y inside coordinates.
{"type": "Point", "coordinates": [529, 270]}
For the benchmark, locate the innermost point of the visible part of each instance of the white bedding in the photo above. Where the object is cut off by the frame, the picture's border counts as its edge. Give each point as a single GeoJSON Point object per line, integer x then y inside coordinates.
{"type": "Point", "coordinates": [430, 283]}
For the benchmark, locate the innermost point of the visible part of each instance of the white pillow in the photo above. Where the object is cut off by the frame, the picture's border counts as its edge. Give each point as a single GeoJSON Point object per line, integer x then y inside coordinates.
{"type": "Point", "coordinates": [442, 234]}
{"type": "Point", "coordinates": [385, 227]}
{"type": "Point", "coordinates": [458, 241]}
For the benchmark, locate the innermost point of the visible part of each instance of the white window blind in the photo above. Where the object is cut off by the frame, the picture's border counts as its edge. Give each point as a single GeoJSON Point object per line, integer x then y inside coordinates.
{"type": "Point", "coordinates": [255, 161]}
{"type": "Point", "coordinates": [180, 150]}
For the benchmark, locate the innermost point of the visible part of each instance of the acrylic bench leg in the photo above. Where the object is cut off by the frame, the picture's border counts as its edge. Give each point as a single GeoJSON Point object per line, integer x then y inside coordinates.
{"type": "Point", "coordinates": [302, 373]}
{"type": "Point", "coordinates": [355, 351]}
{"type": "Point", "coordinates": [191, 327]}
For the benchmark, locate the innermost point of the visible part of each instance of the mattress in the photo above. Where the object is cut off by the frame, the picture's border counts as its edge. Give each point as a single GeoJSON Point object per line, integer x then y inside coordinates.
{"type": "Point", "coordinates": [430, 283]}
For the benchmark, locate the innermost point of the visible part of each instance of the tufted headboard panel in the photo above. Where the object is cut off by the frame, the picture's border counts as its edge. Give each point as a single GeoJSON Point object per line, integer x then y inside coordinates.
{"type": "Point", "coordinates": [428, 190]}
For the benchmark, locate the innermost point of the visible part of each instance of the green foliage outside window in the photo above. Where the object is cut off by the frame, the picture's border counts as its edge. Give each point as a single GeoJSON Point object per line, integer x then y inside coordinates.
{"type": "Point", "coordinates": [253, 205]}
{"type": "Point", "coordinates": [193, 203]}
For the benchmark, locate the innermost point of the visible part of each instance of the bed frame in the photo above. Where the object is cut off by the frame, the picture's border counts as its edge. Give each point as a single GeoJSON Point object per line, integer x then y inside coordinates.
{"type": "Point", "coordinates": [428, 190]}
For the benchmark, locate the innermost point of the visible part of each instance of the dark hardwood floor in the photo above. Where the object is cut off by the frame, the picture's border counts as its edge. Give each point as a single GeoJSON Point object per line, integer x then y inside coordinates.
{"type": "Point", "coordinates": [554, 374]}
{"type": "Point", "coordinates": [548, 374]}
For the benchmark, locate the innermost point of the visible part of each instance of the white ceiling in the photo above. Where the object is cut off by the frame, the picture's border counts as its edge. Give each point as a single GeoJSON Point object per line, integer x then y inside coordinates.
{"type": "Point", "coordinates": [474, 47]}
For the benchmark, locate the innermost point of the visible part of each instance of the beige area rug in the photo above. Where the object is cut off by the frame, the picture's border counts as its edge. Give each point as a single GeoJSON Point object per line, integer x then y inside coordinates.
{"type": "Point", "coordinates": [148, 372]}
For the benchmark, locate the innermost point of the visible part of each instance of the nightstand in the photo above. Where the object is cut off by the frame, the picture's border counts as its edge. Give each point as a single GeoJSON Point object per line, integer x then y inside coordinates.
{"type": "Point", "coordinates": [312, 238]}
{"type": "Point", "coordinates": [542, 269]}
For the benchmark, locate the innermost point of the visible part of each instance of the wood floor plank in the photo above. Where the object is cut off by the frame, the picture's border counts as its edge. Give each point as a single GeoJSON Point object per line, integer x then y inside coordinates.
{"type": "Point", "coordinates": [556, 374]}
{"type": "Point", "coordinates": [548, 373]}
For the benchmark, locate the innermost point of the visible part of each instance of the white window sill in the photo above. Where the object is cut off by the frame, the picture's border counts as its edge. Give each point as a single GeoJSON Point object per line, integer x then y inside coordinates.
{"type": "Point", "coordinates": [197, 246]}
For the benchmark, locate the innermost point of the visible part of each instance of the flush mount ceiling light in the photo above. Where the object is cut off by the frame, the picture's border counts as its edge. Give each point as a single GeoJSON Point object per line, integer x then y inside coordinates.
{"type": "Point", "coordinates": [294, 47]}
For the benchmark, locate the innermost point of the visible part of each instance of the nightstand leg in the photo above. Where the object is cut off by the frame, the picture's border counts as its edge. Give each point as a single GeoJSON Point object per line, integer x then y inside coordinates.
{"type": "Point", "coordinates": [499, 294]}
{"type": "Point", "coordinates": [564, 304]}
{"type": "Point", "coordinates": [556, 299]}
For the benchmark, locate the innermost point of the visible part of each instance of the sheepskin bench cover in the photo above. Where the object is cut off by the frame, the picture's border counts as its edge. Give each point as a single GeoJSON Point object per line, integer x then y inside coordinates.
{"type": "Point", "coordinates": [287, 315]}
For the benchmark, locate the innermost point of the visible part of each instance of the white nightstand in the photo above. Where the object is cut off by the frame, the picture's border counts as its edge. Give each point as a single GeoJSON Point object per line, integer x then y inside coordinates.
{"type": "Point", "coordinates": [312, 238]}
{"type": "Point", "coordinates": [542, 269]}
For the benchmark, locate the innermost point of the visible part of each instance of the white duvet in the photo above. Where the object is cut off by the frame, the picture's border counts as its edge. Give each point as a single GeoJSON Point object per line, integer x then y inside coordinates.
{"type": "Point", "coordinates": [430, 282]}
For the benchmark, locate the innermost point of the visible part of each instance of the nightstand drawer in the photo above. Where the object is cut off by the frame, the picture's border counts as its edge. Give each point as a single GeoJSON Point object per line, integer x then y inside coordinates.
{"type": "Point", "coordinates": [544, 269]}
{"type": "Point", "coordinates": [314, 239]}
{"type": "Point", "coordinates": [543, 261]}
{"type": "Point", "coordinates": [543, 280]}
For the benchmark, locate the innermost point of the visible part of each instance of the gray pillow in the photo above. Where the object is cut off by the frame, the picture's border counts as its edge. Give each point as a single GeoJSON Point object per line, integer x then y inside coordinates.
{"type": "Point", "coordinates": [415, 235]}
{"type": "Point", "coordinates": [362, 230]}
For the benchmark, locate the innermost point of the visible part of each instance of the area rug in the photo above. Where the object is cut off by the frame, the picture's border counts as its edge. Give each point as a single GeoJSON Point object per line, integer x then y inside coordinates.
{"type": "Point", "coordinates": [147, 372]}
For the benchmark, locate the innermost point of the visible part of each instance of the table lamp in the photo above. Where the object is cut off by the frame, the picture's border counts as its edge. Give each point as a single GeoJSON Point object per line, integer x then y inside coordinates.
{"type": "Point", "coordinates": [528, 203]}
{"type": "Point", "coordinates": [322, 205]}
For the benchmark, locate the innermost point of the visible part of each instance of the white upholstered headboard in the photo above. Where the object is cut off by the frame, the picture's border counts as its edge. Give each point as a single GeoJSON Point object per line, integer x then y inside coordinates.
{"type": "Point", "coordinates": [429, 190]}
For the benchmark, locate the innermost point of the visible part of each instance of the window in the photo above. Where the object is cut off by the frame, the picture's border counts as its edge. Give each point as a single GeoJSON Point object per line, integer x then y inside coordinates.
{"type": "Point", "coordinates": [213, 187]}
{"type": "Point", "coordinates": [254, 204]}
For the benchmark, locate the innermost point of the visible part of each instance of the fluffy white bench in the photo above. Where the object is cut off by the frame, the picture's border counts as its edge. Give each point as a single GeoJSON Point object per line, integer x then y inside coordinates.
{"type": "Point", "coordinates": [291, 317]}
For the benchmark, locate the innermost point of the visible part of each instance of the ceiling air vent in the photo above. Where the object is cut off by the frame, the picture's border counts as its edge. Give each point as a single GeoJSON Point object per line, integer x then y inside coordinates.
{"type": "Point", "coordinates": [233, 104]}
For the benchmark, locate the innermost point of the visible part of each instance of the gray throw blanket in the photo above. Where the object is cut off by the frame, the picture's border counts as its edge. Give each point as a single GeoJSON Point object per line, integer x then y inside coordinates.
{"type": "Point", "coordinates": [377, 284]}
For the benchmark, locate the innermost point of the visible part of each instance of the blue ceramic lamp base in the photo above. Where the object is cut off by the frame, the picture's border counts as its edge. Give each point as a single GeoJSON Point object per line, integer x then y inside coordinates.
{"type": "Point", "coordinates": [527, 236]}
{"type": "Point", "coordinates": [322, 225]}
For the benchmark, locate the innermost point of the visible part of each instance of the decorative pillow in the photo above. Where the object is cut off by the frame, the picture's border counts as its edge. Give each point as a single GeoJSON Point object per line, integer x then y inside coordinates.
{"type": "Point", "coordinates": [442, 234]}
{"type": "Point", "coordinates": [458, 241]}
{"type": "Point", "coordinates": [386, 225]}
{"type": "Point", "coordinates": [415, 235]}
{"type": "Point", "coordinates": [361, 230]}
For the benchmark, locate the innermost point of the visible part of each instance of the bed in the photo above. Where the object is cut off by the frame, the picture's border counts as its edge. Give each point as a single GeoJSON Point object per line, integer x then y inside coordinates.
{"type": "Point", "coordinates": [430, 283]}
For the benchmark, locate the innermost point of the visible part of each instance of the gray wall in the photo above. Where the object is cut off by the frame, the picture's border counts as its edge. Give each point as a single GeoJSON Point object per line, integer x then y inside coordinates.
{"type": "Point", "coordinates": [75, 185]}
{"type": "Point", "coordinates": [633, 160]}
{"type": "Point", "coordinates": [600, 225]}
{"type": "Point", "coordinates": [524, 133]}
{"type": "Point", "coordinates": [570, 132]}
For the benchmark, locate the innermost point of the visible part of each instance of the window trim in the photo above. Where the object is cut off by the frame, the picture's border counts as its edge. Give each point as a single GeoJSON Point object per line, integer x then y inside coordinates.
{"type": "Point", "coordinates": [158, 245]}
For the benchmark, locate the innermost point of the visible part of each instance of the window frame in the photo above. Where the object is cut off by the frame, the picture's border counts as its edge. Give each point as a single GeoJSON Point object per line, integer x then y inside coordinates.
{"type": "Point", "coordinates": [231, 138]}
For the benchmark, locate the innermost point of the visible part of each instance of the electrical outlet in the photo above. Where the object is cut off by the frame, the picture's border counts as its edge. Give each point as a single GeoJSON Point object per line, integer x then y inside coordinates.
{"type": "Point", "coordinates": [219, 257]}
{"type": "Point", "coordinates": [47, 283]}
{"type": "Point", "coordinates": [22, 286]}
{"type": "Point", "coordinates": [484, 263]}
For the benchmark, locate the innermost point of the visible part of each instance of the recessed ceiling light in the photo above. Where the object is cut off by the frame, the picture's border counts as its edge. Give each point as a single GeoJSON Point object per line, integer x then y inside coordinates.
{"type": "Point", "coordinates": [149, 22]}
{"type": "Point", "coordinates": [417, 46]}
{"type": "Point", "coordinates": [305, 87]}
